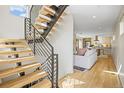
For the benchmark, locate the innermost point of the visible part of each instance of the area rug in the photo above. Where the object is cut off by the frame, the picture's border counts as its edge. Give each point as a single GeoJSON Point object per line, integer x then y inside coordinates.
{"type": "Point", "coordinates": [79, 68]}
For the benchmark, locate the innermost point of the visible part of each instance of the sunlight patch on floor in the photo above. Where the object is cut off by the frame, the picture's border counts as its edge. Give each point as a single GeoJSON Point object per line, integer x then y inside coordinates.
{"type": "Point", "coordinates": [116, 73]}
{"type": "Point", "coordinates": [111, 72]}
{"type": "Point", "coordinates": [71, 82]}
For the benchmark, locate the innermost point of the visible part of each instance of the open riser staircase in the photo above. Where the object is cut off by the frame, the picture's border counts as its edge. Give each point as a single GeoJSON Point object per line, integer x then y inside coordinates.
{"type": "Point", "coordinates": [25, 65]}
{"type": "Point", "coordinates": [34, 60]}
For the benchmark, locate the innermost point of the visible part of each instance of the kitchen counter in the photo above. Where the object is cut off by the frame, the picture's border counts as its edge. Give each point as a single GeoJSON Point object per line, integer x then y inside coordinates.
{"type": "Point", "coordinates": [103, 50]}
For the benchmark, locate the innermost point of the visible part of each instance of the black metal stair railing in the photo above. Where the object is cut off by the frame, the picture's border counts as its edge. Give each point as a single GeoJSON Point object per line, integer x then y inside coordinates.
{"type": "Point", "coordinates": [43, 50]}
{"type": "Point", "coordinates": [41, 47]}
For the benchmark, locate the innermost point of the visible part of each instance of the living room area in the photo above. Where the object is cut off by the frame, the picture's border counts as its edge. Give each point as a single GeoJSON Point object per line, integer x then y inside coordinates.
{"type": "Point", "coordinates": [93, 63]}
{"type": "Point", "coordinates": [89, 48]}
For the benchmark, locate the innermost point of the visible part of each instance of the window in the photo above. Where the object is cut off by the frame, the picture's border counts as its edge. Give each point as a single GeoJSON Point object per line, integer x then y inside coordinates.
{"type": "Point", "coordinates": [18, 10]}
{"type": "Point", "coordinates": [113, 38]}
{"type": "Point", "coordinates": [122, 26]}
{"type": "Point", "coordinates": [80, 43]}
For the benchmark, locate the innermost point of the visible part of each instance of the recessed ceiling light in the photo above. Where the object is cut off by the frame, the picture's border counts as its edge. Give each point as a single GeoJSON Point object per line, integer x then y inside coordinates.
{"type": "Point", "coordinates": [93, 17]}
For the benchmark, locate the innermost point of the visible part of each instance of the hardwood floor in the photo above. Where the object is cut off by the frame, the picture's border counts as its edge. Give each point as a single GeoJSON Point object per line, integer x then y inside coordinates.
{"type": "Point", "coordinates": [101, 75]}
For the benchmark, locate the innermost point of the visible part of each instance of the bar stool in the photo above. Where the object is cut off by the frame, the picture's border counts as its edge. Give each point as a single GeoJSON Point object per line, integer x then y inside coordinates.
{"type": "Point", "coordinates": [101, 51]}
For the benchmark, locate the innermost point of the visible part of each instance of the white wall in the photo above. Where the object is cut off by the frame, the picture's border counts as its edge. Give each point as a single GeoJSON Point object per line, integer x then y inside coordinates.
{"type": "Point", "coordinates": [62, 40]}
{"type": "Point", "coordinates": [10, 26]}
{"type": "Point", "coordinates": [118, 49]}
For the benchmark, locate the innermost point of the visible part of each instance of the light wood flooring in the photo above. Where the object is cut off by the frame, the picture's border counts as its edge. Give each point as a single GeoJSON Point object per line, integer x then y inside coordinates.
{"type": "Point", "coordinates": [101, 75]}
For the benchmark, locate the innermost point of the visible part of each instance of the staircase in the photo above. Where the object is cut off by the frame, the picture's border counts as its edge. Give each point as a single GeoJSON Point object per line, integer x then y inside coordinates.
{"type": "Point", "coordinates": [48, 18]}
{"type": "Point", "coordinates": [18, 53]}
{"type": "Point", "coordinates": [34, 62]}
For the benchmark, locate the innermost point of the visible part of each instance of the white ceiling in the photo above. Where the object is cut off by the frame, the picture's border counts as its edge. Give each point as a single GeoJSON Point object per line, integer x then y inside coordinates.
{"type": "Point", "coordinates": [105, 18]}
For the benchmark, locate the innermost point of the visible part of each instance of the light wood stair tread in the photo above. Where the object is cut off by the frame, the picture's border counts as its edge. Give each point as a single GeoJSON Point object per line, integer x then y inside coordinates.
{"type": "Point", "coordinates": [45, 83]}
{"type": "Point", "coordinates": [21, 81]}
{"type": "Point", "coordinates": [15, 70]}
{"type": "Point", "coordinates": [45, 13]}
{"type": "Point", "coordinates": [38, 19]}
{"type": "Point", "coordinates": [15, 60]}
{"type": "Point", "coordinates": [39, 26]}
{"type": "Point", "coordinates": [44, 17]}
{"type": "Point", "coordinates": [13, 46]}
{"type": "Point", "coordinates": [7, 52]}
{"type": "Point", "coordinates": [11, 40]}
{"type": "Point", "coordinates": [46, 8]}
